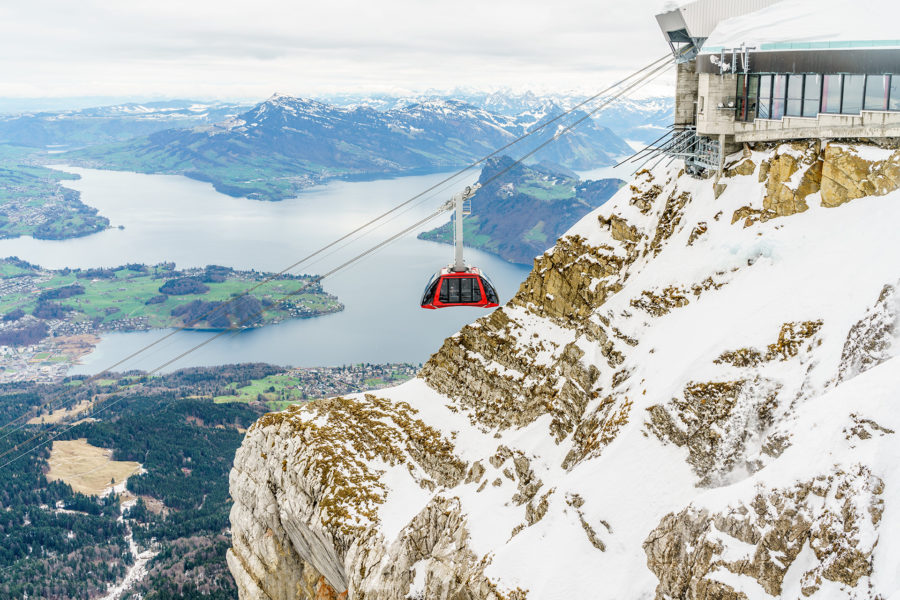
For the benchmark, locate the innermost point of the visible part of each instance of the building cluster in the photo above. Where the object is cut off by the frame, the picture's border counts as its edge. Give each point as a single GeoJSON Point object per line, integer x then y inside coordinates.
{"type": "Point", "coordinates": [61, 328]}
{"type": "Point", "coordinates": [44, 362]}
{"type": "Point", "coordinates": [324, 382]}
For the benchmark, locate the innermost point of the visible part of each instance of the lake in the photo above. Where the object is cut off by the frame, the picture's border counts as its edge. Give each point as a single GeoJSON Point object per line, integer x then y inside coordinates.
{"type": "Point", "coordinates": [167, 218]}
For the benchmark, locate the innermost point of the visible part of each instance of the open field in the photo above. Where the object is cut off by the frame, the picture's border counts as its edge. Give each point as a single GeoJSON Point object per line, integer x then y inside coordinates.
{"type": "Point", "coordinates": [136, 296]}
{"type": "Point", "coordinates": [58, 415]}
{"type": "Point", "coordinates": [86, 468]}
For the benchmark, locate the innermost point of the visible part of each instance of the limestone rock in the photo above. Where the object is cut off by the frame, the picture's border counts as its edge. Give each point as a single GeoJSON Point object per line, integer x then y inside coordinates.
{"type": "Point", "coordinates": [632, 376]}
{"type": "Point", "coordinates": [869, 341]}
{"type": "Point", "coordinates": [782, 197]}
{"type": "Point", "coordinates": [743, 167]}
{"type": "Point", "coordinates": [687, 549]}
{"type": "Point", "coordinates": [847, 175]}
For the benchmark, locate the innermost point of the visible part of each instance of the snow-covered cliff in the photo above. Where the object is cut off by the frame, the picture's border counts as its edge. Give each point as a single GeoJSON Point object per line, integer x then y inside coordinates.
{"type": "Point", "coordinates": [693, 395]}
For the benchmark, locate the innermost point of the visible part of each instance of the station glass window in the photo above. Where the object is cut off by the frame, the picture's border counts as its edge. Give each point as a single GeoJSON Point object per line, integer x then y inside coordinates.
{"type": "Point", "coordinates": [831, 94]}
{"type": "Point", "coordinates": [740, 114]}
{"type": "Point", "coordinates": [765, 96]}
{"type": "Point", "coordinates": [778, 92]}
{"type": "Point", "coordinates": [794, 106]}
{"type": "Point", "coordinates": [753, 94]}
{"type": "Point", "coordinates": [876, 92]}
{"type": "Point", "coordinates": [852, 98]}
{"type": "Point", "coordinates": [812, 87]}
{"type": "Point", "coordinates": [894, 97]}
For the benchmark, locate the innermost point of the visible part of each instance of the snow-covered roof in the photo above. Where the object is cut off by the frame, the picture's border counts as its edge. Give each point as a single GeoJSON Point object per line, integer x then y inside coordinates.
{"type": "Point", "coordinates": [699, 18]}
{"type": "Point", "coordinates": [810, 25]}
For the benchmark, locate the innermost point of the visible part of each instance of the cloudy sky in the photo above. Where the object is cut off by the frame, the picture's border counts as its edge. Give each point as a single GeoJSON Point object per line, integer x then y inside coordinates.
{"type": "Point", "coordinates": [225, 49]}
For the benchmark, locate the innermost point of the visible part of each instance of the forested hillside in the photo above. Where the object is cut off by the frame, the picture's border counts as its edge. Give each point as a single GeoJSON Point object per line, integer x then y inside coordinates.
{"type": "Point", "coordinates": [521, 212]}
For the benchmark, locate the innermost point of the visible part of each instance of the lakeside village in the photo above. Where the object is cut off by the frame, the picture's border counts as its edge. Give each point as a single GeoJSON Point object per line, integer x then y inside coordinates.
{"type": "Point", "coordinates": [52, 319]}
{"type": "Point", "coordinates": [49, 361]}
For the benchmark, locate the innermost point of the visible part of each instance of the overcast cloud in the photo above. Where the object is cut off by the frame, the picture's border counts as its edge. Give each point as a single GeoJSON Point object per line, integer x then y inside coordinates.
{"type": "Point", "coordinates": [220, 49]}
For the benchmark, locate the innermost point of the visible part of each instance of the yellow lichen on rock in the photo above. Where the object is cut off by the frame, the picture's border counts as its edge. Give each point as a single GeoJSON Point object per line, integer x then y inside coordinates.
{"type": "Point", "coordinates": [620, 230]}
{"type": "Point", "coordinates": [791, 338]}
{"type": "Point", "coordinates": [669, 219]}
{"type": "Point", "coordinates": [831, 514]}
{"type": "Point", "coordinates": [836, 170]}
{"type": "Point", "coordinates": [598, 429]}
{"type": "Point", "coordinates": [752, 215]}
{"type": "Point", "coordinates": [847, 176]}
{"type": "Point", "coordinates": [781, 198]}
{"type": "Point", "coordinates": [699, 231]}
{"type": "Point", "coordinates": [643, 191]}
{"type": "Point", "coordinates": [376, 429]}
{"type": "Point", "coordinates": [671, 297]}
{"type": "Point", "coordinates": [743, 167]}
{"type": "Point", "coordinates": [660, 304]}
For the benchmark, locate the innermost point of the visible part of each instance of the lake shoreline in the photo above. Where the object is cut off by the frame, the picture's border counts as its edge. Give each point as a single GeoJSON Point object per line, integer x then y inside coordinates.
{"type": "Point", "coordinates": [173, 219]}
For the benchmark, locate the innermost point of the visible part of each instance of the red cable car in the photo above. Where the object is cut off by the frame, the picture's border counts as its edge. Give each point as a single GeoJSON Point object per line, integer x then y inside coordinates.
{"type": "Point", "coordinates": [460, 284]}
{"type": "Point", "coordinates": [465, 288]}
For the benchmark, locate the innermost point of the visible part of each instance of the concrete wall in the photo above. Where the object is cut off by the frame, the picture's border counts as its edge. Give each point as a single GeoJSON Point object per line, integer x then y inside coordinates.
{"type": "Point", "coordinates": [712, 91]}
{"type": "Point", "coordinates": [868, 124]}
{"type": "Point", "coordinates": [685, 94]}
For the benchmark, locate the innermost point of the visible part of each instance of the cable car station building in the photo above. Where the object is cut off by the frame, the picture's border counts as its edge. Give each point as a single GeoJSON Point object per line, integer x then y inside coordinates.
{"type": "Point", "coordinates": [763, 70]}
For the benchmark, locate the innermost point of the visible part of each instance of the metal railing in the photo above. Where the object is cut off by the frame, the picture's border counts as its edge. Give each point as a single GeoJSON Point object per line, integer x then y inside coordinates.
{"type": "Point", "coordinates": [698, 152]}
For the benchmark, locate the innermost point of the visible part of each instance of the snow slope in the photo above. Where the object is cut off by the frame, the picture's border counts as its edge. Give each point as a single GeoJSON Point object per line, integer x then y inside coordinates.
{"type": "Point", "coordinates": [691, 396]}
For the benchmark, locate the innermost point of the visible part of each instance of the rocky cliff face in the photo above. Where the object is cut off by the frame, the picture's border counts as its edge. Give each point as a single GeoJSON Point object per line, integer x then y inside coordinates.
{"type": "Point", "coordinates": [693, 395]}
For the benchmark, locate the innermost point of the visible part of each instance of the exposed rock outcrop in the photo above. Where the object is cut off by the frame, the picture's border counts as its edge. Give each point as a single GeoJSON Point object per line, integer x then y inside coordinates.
{"type": "Point", "coordinates": [849, 174]}
{"type": "Point", "coordinates": [833, 517]}
{"type": "Point", "coordinates": [838, 172]}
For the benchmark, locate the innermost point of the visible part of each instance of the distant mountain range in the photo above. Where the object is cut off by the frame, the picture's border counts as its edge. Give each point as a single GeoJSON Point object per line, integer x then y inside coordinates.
{"type": "Point", "coordinates": [278, 147]}
{"type": "Point", "coordinates": [106, 124]}
{"type": "Point", "coordinates": [640, 120]}
{"type": "Point", "coordinates": [284, 144]}
{"type": "Point", "coordinates": [520, 212]}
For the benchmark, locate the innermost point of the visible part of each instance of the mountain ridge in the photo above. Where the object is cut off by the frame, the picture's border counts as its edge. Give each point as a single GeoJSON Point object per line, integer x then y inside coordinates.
{"type": "Point", "coordinates": [285, 144]}
{"type": "Point", "coordinates": [685, 399]}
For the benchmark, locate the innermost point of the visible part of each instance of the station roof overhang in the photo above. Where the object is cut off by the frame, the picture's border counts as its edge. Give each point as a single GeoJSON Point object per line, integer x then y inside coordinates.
{"type": "Point", "coordinates": [687, 27]}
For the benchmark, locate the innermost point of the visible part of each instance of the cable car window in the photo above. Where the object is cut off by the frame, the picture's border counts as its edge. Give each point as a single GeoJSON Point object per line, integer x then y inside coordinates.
{"type": "Point", "coordinates": [450, 290]}
{"type": "Point", "coordinates": [454, 290]}
{"type": "Point", "coordinates": [489, 291]}
{"type": "Point", "coordinates": [470, 290]}
{"type": "Point", "coordinates": [430, 289]}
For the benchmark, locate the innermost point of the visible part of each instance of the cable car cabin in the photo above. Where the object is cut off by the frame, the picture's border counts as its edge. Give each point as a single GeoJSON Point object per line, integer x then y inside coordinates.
{"type": "Point", "coordinates": [463, 288]}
